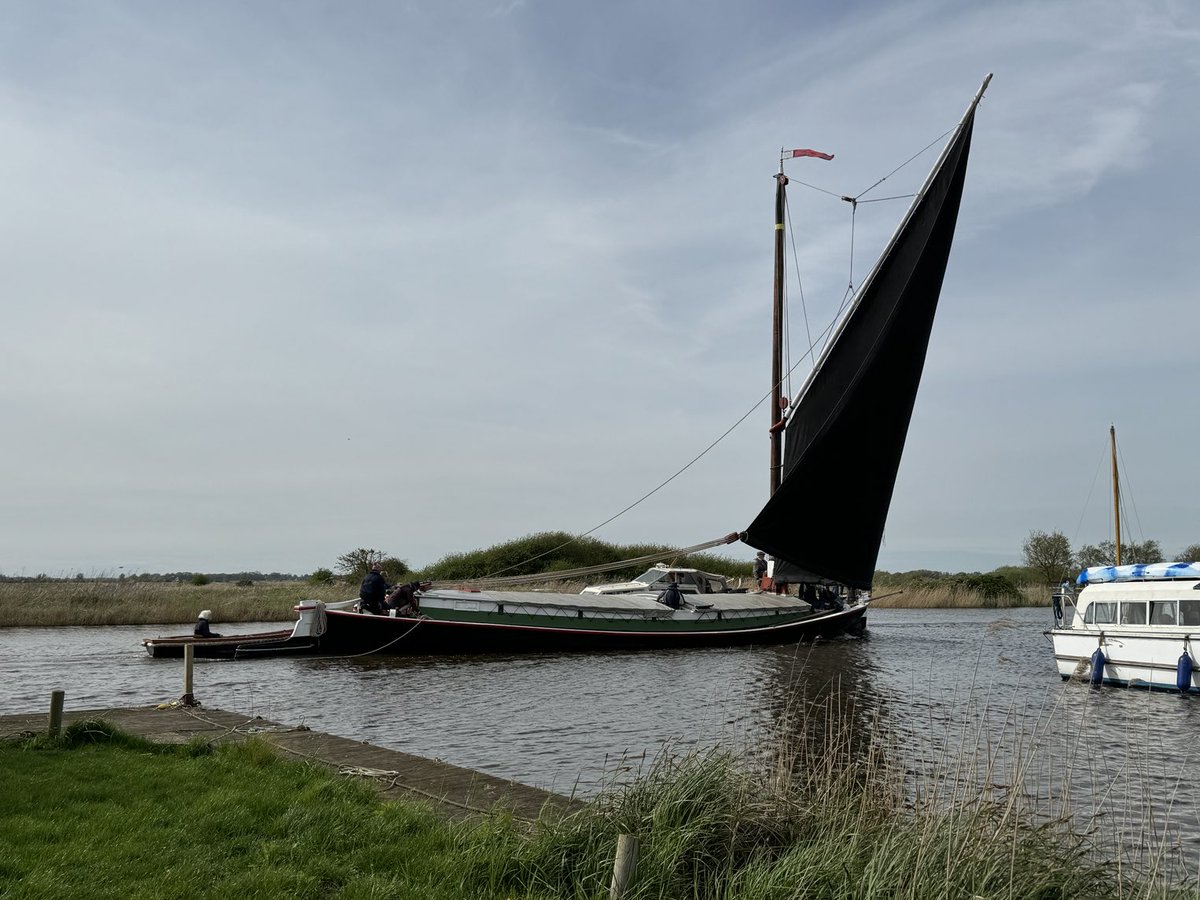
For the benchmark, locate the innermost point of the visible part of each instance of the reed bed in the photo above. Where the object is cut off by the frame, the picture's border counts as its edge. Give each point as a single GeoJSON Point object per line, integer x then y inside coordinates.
{"type": "Point", "coordinates": [954, 597]}
{"type": "Point", "coordinates": [837, 809]}
{"type": "Point", "coordinates": [41, 603]}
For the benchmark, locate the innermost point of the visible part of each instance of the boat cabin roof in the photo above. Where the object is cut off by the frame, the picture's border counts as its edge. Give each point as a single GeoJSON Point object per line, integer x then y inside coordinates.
{"type": "Point", "coordinates": [1140, 572]}
{"type": "Point", "coordinates": [1175, 589]}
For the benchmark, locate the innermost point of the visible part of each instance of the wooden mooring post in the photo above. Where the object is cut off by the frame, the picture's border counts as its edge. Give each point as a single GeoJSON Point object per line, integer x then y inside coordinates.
{"type": "Point", "coordinates": [56, 708]}
{"type": "Point", "coordinates": [189, 656]}
{"type": "Point", "coordinates": [624, 866]}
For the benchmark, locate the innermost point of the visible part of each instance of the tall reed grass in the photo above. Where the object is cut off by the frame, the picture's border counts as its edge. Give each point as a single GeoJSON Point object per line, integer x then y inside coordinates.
{"type": "Point", "coordinates": [837, 813]}
{"type": "Point", "coordinates": [945, 596]}
{"type": "Point", "coordinates": [40, 603]}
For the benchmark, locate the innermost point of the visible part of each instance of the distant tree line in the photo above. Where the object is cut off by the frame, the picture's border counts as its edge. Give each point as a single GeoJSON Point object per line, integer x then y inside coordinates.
{"type": "Point", "coordinates": [1051, 556]}
{"type": "Point", "coordinates": [1048, 559]}
{"type": "Point", "coordinates": [190, 577]}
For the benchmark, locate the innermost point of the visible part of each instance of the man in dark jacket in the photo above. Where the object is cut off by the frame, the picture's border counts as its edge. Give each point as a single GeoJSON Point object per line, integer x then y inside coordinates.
{"type": "Point", "coordinates": [405, 598]}
{"type": "Point", "coordinates": [372, 592]}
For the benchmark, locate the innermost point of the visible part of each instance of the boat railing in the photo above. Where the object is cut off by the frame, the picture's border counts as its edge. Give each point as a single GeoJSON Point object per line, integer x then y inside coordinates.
{"type": "Point", "coordinates": [1062, 598]}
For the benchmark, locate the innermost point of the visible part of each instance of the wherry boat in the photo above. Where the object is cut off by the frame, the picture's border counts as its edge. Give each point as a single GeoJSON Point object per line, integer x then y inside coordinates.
{"type": "Point", "coordinates": [844, 439]}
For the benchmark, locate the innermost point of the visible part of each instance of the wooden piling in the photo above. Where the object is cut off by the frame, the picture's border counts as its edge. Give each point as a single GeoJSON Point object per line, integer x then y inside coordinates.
{"type": "Point", "coordinates": [189, 656]}
{"type": "Point", "coordinates": [56, 709]}
{"type": "Point", "coordinates": [624, 866]}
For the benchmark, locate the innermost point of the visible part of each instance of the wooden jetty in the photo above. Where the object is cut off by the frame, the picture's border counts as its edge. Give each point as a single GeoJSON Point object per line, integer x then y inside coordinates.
{"type": "Point", "coordinates": [452, 791]}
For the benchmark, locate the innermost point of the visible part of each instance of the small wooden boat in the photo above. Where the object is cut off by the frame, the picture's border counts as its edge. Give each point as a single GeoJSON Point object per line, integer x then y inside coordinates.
{"type": "Point", "coordinates": [223, 647]}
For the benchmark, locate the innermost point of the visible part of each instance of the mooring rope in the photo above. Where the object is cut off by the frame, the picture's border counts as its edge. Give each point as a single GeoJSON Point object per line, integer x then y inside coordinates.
{"type": "Point", "coordinates": [384, 647]}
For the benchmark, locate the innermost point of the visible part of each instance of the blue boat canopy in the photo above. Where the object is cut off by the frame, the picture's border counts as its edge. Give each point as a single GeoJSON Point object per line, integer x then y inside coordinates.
{"type": "Point", "coordinates": [1141, 571]}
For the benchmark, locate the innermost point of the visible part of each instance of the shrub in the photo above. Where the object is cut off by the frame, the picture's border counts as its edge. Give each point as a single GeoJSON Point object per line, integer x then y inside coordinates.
{"type": "Point", "coordinates": [557, 551]}
{"type": "Point", "coordinates": [200, 579]}
{"type": "Point", "coordinates": [321, 576]}
{"type": "Point", "coordinates": [357, 563]}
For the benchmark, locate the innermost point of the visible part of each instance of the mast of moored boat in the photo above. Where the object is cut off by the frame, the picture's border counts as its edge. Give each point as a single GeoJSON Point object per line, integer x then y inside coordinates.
{"type": "Point", "coordinates": [1112, 437]}
{"type": "Point", "coordinates": [777, 419]}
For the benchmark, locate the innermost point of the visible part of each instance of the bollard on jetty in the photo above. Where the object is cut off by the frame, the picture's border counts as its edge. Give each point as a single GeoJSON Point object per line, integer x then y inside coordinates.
{"type": "Point", "coordinates": [56, 708]}
{"type": "Point", "coordinates": [189, 656]}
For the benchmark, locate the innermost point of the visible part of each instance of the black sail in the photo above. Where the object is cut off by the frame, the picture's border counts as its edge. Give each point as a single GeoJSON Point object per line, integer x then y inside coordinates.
{"type": "Point", "coordinates": [844, 440]}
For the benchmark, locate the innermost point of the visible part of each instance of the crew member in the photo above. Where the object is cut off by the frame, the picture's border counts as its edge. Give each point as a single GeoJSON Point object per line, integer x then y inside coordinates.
{"type": "Point", "coordinates": [373, 591]}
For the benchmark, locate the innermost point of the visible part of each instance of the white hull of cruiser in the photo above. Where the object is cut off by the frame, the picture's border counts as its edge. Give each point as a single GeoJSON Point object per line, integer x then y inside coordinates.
{"type": "Point", "coordinates": [1143, 620]}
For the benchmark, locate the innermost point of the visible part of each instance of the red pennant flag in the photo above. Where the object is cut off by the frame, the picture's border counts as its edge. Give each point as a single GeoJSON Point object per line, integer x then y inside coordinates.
{"type": "Point", "coordinates": [817, 153]}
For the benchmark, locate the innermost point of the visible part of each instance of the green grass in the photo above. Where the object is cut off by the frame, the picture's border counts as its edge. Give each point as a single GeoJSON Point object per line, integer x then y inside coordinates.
{"type": "Point", "coordinates": [117, 817]}
{"type": "Point", "coordinates": [100, 814]}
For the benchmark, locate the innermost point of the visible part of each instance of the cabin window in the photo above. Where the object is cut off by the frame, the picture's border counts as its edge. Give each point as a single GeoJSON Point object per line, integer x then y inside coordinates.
{"type": "Point", "coordinates": [1189, 612]}
{"type": "Point", "coordinates": [1133, 613]}
{"type": "Point", "coordinates": [1163, 612]}
{"type": "Point", "coordinates": [1101, 614]}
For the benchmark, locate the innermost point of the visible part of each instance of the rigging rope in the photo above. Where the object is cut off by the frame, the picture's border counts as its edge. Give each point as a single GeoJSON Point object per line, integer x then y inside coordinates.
{"type": "Point", "coordinates": [803, 303]}
{"type": "Point", "coordinates": [1127, 494]}
{"type": "Point", "coordinates": [1088, 500]}
{"type": "Point", "coordinates": [381, 648]}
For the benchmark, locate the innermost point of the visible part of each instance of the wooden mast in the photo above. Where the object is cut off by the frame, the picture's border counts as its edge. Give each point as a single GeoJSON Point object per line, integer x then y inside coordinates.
{"type": "Point", "coordinates": [1112, 436]}
{"type": "Point", "coordinates": [777, 339]}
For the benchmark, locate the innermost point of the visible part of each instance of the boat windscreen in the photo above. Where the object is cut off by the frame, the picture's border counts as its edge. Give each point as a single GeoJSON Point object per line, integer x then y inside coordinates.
{"type": "Point", "coordinates": [652, 576]}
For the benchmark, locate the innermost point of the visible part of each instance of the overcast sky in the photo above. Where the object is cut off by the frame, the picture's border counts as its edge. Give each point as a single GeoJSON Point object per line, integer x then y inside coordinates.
{"type": "Point", "coordinates": [282, 279]}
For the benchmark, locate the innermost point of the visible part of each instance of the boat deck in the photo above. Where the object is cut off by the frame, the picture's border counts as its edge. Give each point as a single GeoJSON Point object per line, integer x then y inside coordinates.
{"type": "Point", "coordinates": [645, 604]}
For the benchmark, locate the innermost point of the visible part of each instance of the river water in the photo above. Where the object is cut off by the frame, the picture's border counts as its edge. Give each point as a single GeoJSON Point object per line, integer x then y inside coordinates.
{"type": "Point", "coordinates": [947, 684]}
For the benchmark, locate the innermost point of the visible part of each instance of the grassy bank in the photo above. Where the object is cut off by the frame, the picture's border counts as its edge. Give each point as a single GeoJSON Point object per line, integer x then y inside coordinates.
{"type": "Point", "coordinates": [39, 603]}
{"type": "Point", "coordinates": [100, 814]}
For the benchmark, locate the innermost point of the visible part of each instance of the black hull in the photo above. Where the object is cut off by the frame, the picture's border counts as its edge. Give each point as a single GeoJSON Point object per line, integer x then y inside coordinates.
{"type": "Point", "coordinates": [353, 634]}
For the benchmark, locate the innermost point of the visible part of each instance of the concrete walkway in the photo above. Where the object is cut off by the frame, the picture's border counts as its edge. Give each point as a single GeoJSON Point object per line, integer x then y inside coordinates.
{"type": "Point", "coordinates": [452, 791]}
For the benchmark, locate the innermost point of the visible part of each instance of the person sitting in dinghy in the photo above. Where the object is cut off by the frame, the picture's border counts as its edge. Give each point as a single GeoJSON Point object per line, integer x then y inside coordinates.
{"type": "Point", "coordinates": [405, 599]}
{"type": "Point", "coordinates": [202, 630]}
